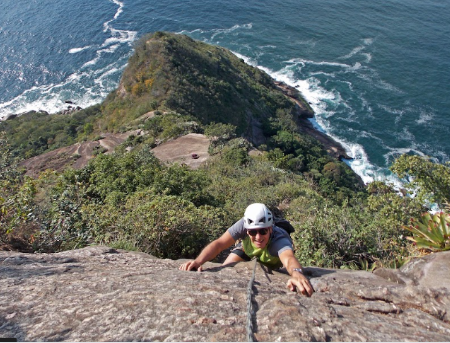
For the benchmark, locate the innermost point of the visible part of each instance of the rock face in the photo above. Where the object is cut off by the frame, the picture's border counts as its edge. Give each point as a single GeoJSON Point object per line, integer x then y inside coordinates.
{"type": "Point", "coordinates": [75, 156]}
{"type": "Point", "coordinates": [180, 150]}
{"type": "Point", "coordinates": [102, 294]}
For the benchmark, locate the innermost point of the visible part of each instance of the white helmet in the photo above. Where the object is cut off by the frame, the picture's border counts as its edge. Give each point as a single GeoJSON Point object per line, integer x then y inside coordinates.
{"type": "Point", "coordinates": [257, 216]}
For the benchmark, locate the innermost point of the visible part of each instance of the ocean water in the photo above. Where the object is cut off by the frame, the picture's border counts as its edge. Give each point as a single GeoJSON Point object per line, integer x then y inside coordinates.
{"type": "Point", "coordinates": [375, 72]}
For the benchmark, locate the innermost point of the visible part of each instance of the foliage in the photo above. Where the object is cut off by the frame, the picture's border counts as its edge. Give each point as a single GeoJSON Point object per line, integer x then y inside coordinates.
{"type": "Point", "coordinates": [185, 183]}
{"type": "Point", "coordinates": [34, 133]}
{"type": "Point", "coordinates": [220, 131]}
{"type": "Point", "coordinates": [15, 195]}
{"type": "Point", "coordinates": [170, 125]}
{"type": "Point", "coordinates": [128, 199]}
{"type": "Point", "coordinates": [173, 86]}
{"type": "Point", "coordinates": [174, 72]}
{"type": "Point", "coordinates": [391, 208]}
{"type": "Point", "coordinates": [430, 180]}
{"type": "Point", "coordinates": [337, 236]}
{"type": "Point", "coordinates": [169, 226]}
{"type": "Point", "coordinates": [17, 192]}
{"type": "Point", "coordinates": [431, 232]}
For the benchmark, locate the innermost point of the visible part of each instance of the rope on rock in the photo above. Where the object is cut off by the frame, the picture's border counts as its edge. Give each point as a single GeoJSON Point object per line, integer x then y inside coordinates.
{"type": "Point", "coordinates": [250, 311]}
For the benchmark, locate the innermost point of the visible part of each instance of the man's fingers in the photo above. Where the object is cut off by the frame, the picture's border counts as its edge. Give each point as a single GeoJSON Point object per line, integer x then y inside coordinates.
{"type": "Point", "coordinates": [188, 266]}
{"type": "Point", "coordinates": [295, 285]}
{"type": "Point", "coordinates": [185, 266]}
{"type": "Point", "coordinates": [291, 285]}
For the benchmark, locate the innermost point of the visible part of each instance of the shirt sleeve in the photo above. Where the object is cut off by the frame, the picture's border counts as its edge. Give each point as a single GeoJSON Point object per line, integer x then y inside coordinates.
{"type": "Point", "coordinates": [237, 230]}
{"type": "Point", "coordinates": [280, 242]}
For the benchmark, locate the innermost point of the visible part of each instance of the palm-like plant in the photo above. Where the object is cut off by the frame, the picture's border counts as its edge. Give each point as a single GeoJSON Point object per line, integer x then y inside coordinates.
{"type": "Point", "coordinates": [431, 232]}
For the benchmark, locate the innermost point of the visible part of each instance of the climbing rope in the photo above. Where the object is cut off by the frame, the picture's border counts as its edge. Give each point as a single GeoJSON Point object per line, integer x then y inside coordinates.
{"type": "Point", "coordinates": [250, 335]}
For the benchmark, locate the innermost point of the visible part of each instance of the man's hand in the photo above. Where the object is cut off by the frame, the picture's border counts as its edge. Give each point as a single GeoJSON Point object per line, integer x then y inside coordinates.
{"type": "Point", "coordinates": [298, 282]}
{"type": "Point", "coordinates": [191, 265]}
{"type": "Point", "coordinates": [301, 285]}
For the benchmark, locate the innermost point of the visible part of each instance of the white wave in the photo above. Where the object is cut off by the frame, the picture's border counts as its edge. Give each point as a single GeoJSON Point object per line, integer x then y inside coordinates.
{"type": "Point", "coordinates": [51, 98]}
{"type": "Point", "coordinates": [391, 110]}
{"type": "Point", "coordinates": [106, 25]}
{"type": "Point", "coordinates": [110, 49]}
{"type": "Point", "coordinates": [320, 99]}
{"type": "Point", "coordinates": [33, 99]}
{"type": "Point", "coordinates": [368, 41]}
{"type": "Point", "coordinates": [395, 153]}
{"type": "Point", "coordinates": [356, 66]}
{"type": "Point", "coordinates": [358, 49]}
{"type": "Point", "coordinates": [103, 80]}
{"type": "Point", "coordinates": [317, 73]}
{"type": "Point", "coordinates": [91, 62]}
{"type": "Point", "coordinates": [120, 9]}
{"type": "Point", "coordinates": [368, 56]}
{"type": "Point", "coordinates": [216, 32]}
{"type": "Point", "coordinates": [119, 36]}
{"type": "Point", "coordinates": [424, 117]}
{"type": "Point", "coordinates": [77, 50]}
{"type": "Point", "coordinates": [267, 47]}
{"type": "Point", "coordinates": [321, 63]}
{"type": "Point", "coordinates": [406, 135]}
{"type": "Point", "coordinates": [193, 32]}
{"type": "Point", "coordinates": [387, 86]}
{"type": "Point", "coordinates": [230, 30]}
{"type": "Point", "coordinates": [247, 60]}
{"type": "Point", "coordinates": [372, 77]}
{"type": "Point", "coordinates": [353, 52]}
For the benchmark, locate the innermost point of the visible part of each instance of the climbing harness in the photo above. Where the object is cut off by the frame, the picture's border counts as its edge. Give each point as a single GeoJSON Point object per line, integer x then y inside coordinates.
{"type": "Point", "coordinates": [250, 311]}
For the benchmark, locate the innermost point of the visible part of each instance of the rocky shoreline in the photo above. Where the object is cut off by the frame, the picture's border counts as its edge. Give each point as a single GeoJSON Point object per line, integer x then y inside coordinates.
{"type": "Point", "coordinates": [305, 112]}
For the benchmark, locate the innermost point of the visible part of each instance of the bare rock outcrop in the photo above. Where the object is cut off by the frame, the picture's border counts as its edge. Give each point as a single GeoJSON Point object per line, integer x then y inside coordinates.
{"type": "Point", "coordinates": [102, 294]}
{"type": "Point", "coordinates": [190, 149]}
{"type": "Point", "coordinates": [75, 156]}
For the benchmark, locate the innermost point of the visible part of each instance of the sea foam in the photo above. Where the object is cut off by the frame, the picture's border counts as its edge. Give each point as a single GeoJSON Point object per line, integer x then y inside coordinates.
{"type": "Point", "coordinates": [89, 85]}
{"type": "Point", "coordinates": [321, 100]}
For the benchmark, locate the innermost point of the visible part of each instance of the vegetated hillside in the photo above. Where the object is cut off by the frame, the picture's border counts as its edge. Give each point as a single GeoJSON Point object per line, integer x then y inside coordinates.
{"type": "Point", "coordinates": [195, 85]}
{"type": "Point", "coordinates": [174, 86]}
{"type": "Point", "coordinates": [177, 73]}
{"type": "Point", "coordinates": [169, 72]}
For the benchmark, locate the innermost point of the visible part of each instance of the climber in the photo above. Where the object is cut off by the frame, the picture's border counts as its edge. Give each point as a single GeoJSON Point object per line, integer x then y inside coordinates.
{"type": "Point", "coordinates": [260, 238]}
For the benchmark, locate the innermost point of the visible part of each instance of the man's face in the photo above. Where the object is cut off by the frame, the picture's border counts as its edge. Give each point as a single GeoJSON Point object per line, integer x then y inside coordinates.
{"type": "Point", "coordinates": [260, 237]}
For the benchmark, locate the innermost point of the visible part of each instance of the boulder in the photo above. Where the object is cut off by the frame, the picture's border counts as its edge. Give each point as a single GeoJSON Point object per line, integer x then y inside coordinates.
{"type": "Point", "coordinates": [103, 294]}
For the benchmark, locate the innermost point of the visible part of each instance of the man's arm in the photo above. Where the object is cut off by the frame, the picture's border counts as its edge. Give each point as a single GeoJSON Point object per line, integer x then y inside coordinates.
{"type": "Point", "coordinates": [298, 281]}
{"type": "Point", "coordinates": [209, 252]}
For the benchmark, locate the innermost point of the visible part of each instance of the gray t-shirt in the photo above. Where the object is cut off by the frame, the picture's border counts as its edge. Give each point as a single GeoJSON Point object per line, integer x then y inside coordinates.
{"type": "Point", "coordinates": [279, 240]}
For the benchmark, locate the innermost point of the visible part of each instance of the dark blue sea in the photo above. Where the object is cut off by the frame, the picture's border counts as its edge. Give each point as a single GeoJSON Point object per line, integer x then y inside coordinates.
{"type": "Point", "coordinates": [377, 73]}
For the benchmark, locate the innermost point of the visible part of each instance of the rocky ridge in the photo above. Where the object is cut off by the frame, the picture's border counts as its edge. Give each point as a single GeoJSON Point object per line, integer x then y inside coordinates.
{"type": "Point", "coordinates": [102, 294]}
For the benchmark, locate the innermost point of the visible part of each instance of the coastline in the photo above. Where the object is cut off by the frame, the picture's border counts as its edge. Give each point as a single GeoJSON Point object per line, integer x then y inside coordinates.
{"type": "Point", "coordinates": [305, 113]}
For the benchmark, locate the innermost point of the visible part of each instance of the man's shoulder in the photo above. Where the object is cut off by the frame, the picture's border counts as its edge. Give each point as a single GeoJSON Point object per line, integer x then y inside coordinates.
{"type": "Point", "coordinates": [279, 241]}
{"type": "Point", "coordinates": [237, 229]}
{"type": "Point", "coordinates": [279, 233]}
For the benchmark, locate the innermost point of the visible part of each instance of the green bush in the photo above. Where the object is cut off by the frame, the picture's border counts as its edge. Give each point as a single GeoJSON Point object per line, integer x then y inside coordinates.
{"type": "Point", "coordinates": [335, 237]}
{"type": "Point", "coordinates": [431, 181]}
{"type": "Point", "coordinates": [170, 227]}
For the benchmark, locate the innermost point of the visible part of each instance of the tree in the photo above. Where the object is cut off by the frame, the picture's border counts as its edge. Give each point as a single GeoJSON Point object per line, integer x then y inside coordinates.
{"type": "Point", "coordinates": [220, 131]}
{"type": "Point", "coordinates": [16, 201]}
{"type": "Point", "coordinates": [430, 180]}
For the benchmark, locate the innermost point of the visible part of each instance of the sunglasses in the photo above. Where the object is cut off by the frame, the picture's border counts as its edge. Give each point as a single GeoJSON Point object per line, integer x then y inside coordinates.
{"type": "Point", "coordinates": [262, 232]}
